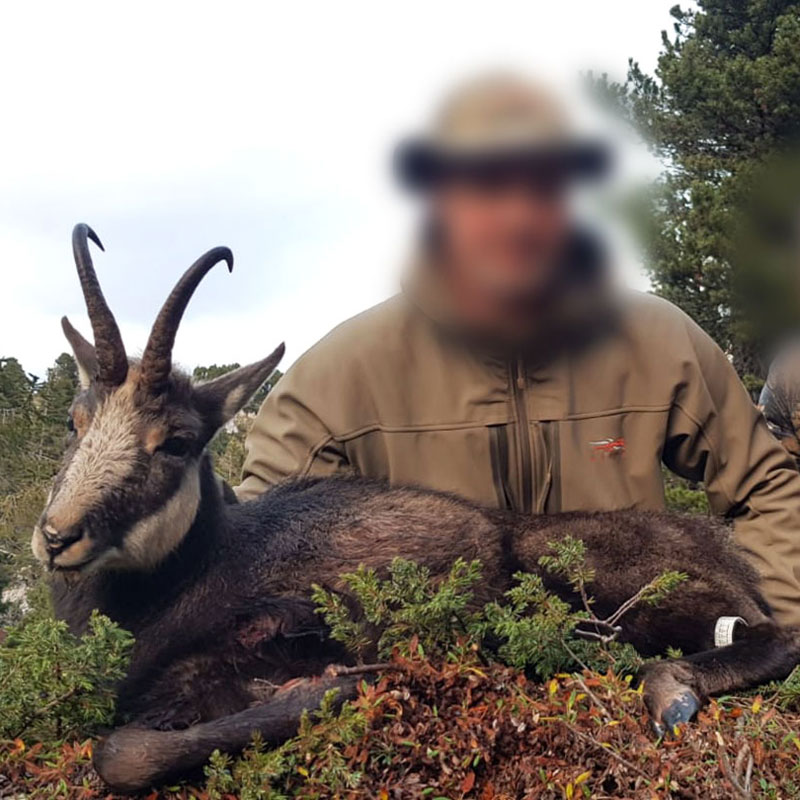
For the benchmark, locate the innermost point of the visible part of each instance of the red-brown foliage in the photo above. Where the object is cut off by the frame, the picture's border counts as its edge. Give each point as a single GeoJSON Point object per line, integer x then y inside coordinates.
{"type": "Point", "coordinates": [467, 730]}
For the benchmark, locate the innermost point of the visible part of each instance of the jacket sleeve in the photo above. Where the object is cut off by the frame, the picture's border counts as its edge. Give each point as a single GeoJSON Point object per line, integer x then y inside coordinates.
{"type": "Point", "coordinates": [716, 435]}
{"type": "Point", "coordinates": [288, 439]}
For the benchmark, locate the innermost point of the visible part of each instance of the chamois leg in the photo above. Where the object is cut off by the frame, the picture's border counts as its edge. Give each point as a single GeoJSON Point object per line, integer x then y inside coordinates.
{"type": "Point", "coordinates": [133, 758]}
{"type": "Point", "coordinates": [675, 689]}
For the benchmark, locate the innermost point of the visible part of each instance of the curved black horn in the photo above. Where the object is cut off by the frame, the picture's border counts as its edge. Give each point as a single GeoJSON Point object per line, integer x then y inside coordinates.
{"type": "Point", "coordinates": [157, 359]}
{"type": "Point", "coordinates": [112, 363]}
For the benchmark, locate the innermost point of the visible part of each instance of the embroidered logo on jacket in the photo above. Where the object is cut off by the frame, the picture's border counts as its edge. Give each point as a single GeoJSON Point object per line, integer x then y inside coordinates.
{"type": "Point", "coordinates": [608, 447]}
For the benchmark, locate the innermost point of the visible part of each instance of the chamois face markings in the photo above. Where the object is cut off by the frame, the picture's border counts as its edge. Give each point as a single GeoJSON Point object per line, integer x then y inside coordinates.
{"type": "Point", "coordinates": [129, 488]}
{"type": "Point", "coordinates": [154, 437]}
{"type": "Point", "coordinates": [105, 457]}
{"type": "Point", "coordinates": [153, 538]}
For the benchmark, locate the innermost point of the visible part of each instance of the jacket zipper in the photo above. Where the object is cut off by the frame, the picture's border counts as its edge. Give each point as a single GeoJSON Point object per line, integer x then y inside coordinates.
{"type": "Point", "coordinates": [523, 434]}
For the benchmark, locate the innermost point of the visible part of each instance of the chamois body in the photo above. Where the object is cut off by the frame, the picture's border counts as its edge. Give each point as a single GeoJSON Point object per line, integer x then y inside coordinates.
{"type": "Point", "coordinates": [227, 617]}
{"type": "Point", "coordinates": [232, 601]}
{"type": "Point", "coordinates": [217, 594]}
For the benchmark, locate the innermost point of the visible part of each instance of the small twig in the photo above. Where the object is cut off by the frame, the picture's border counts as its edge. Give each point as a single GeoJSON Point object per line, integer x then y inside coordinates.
{"type": "Point", "coordinates": [584, 737]}
{"type": "Point", "coordinates": [748, 775]}
{"type": "Point", "coordinates": [609, 623]}
{"type": "Point", "coordinates": [603, 625]}
{"type": "Point", "coordinates": [725, 765]}
{"type": "Point", "coordinates": [628, 604]}
{"type": "Point", "coordinates": [592, 635]}
{"type": "Point", "coordinates": [744, 752]}
{"type": "Point", "coordinates": [593, 696]}
{"type": "Point", "coordinates": [739, 763]}
{"type": "Point", "coordinates": [600, 637]}
{"type": "Point", "coordinates": [361, 669]}
{"type": "Point", "coordinates": [574, 655]}
{"type": "Point", "coordinates": [587, 604]}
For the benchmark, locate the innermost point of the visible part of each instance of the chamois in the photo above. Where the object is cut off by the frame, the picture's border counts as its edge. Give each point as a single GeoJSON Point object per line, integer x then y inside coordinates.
{"type": "Point", "coordinates": [217, 594]}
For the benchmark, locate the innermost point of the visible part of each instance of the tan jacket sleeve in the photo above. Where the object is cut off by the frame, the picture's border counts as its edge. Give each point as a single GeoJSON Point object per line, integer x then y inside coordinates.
{"type": "Point", "coordinates": [288, 439]}
{"type": "Point", "coordinates": [716, 435]}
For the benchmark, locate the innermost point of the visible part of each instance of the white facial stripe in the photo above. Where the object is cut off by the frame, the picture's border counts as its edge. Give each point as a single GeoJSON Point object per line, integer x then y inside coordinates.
{"type": "Point", "coordinates": [105, 457]}
{"type": "Point", "coordinates": [153, 538]}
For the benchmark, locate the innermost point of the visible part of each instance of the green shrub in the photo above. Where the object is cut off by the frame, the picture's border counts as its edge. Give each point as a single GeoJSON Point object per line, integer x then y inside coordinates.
{"type": "Point", "coordinates": [407, 604]}
{"type": "Point", "coordinates": [315, 759]}
{"type": "Point", "coordinates": [530, 629]}
{"type": "Point", "coordinates": [787, 693]}
{"type": "Point", "coordinates": [55, 686]}
{"type": "Point", "coordinates": [684, 497]}
{"type": "Point", "coordinates": [685, 500]}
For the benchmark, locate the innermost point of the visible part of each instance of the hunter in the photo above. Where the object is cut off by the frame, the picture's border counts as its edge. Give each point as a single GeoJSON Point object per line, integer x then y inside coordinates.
{"type": "Point", "coordinates": [511, 371]}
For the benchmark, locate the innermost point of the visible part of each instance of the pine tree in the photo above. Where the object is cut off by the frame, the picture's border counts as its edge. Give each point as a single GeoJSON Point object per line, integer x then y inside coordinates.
{"type": "Point", "coordinates": [723, 112]}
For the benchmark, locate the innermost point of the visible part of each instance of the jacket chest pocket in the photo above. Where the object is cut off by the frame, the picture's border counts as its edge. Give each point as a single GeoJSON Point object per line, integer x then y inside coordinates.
{"type": "Point", "coordinates": [456, 460]}
{"type": "Point", "coordinates": [612, 462]}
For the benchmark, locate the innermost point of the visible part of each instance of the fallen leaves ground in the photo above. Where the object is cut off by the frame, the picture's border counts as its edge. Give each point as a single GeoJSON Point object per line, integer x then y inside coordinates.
{"type": "Point", "coordinates": [468, 730]}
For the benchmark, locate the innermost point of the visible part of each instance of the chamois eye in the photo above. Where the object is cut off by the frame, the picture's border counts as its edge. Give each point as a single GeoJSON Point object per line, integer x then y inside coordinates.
{"type": "Point", "coordinates": [70, 423]}
{"type": "Point", "coordinates": [176, 446]}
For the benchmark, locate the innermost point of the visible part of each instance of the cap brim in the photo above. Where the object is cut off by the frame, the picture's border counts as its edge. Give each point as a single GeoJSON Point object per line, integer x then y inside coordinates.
{"type": "Point", "coordinates": [420, 164]}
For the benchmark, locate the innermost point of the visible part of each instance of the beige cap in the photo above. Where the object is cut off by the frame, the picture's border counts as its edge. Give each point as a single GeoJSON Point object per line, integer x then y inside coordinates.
{"type": "Point", "coordinates": [493, 119]}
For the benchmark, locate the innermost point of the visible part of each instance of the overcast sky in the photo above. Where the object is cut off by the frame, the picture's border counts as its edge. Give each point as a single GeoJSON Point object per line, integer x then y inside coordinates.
{"type": "Point", "coordinates": [171, 127]}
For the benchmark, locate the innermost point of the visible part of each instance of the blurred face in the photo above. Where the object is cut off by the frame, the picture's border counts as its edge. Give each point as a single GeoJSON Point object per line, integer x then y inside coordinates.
{"type": "Point", "coordinates": [502, 235]}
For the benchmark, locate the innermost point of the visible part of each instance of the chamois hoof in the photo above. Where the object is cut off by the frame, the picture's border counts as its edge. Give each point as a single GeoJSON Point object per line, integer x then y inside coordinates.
{"type": "Point", "coordinates": [668, 695]}
{"type": "Point", "coordinates": [680, 711]}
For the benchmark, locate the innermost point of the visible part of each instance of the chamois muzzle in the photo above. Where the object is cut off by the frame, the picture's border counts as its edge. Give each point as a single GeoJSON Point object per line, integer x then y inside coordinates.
{"type": "Point", "coordinates": [65, 549]}
{"type": "Point", "coordinates": [112, 362]}
{"type": "Point", "coordinates": [157, 359]}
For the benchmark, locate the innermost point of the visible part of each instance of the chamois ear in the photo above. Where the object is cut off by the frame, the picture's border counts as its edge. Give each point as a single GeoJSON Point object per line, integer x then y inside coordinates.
{"type": "Point", "coordinates": [219, 399]}
{"type": "Point", "coordinates": [84, 353]}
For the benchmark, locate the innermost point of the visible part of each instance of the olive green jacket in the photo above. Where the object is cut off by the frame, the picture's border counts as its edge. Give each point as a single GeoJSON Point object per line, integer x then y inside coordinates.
{"type": "Point", "coordinates": [392, 394]}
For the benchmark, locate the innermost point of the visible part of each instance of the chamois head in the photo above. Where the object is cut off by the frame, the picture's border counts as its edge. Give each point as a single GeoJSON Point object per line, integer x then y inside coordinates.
{"type": "Point", "coordinates": [129, 487]}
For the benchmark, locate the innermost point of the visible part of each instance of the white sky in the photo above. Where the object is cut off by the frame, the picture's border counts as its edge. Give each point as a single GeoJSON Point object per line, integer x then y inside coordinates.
{"type": "Point", "coordinates": [171, 127]}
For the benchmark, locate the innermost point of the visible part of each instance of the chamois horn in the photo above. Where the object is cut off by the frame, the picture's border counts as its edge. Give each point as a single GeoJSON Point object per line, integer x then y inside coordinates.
{"type": "Point", "coordinates": [156, 362]}
{"type": "Point", "coordinates": [112, 363]}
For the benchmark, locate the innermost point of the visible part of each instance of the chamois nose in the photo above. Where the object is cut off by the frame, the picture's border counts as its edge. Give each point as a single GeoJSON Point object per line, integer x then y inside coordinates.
{"type": "Point", "coordinates": [56, 541]}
